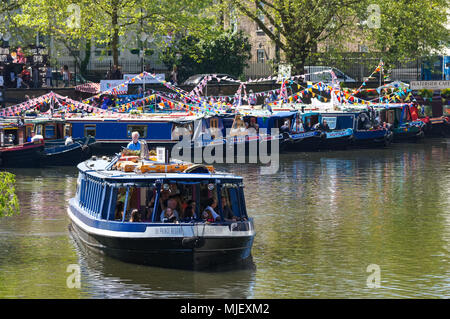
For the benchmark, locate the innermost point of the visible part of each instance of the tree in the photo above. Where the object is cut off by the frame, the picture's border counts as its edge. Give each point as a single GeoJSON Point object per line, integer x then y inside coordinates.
{"type": "Point", "coordinates": [397, 29]}
{"type": "Point", "coordinates": [106, 21]}
{"type": "Point", "coordinates": [9, 203]}
{"type": "Point", "coordinates": [296, 27]}
{"type": "Point", "coordinates": [227, 53]}
{"type": "Point", "coordinates": [407, 29]}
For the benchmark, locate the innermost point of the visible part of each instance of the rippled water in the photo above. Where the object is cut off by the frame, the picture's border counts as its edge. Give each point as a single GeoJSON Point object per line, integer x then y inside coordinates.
{"type": "Point", "coordinates": [320, 222]}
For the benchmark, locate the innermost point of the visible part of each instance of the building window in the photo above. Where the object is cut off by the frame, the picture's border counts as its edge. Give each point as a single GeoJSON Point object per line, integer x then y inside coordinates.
{"type": "Point", "coordinates": [260, 56]}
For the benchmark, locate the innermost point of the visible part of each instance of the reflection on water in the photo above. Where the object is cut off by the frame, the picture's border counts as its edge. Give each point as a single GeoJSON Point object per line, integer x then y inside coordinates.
{"type": "Point", "coordinates": [320, 221]}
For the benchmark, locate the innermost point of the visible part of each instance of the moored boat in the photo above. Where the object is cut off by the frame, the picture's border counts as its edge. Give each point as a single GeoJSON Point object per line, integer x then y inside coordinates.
{"type": "Point", "coordinates": [15, 151]}
{"type": "Point", "coordinates": [119, 204]}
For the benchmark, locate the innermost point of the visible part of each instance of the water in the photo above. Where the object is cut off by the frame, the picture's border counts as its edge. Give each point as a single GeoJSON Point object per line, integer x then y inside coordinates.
{"type": "Point", "coordinates": [320, 222]}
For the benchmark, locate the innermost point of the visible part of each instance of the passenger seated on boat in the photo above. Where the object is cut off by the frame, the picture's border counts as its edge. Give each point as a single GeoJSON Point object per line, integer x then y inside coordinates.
{"type": "Point", "coordinates": [285, 127]}
{"type": "Point", "coordinates": [135, 216]}
{"type": "Point", "coordinates": [169, 216]}
{"type": "Point", "coordinates": [322, 126]}
{"type": "Point", "coordinates": [172, 205]}
{"type": "Point", "coordinates": [134, 145]}
{"type": "Point", "coordinates": [119, 211]}
{"type": "Point", "coordinates": [188, 214]}
{"type": "Point", "coordinates": [228, 215]}
{"type": "Point", "coordinates": [211, 215]}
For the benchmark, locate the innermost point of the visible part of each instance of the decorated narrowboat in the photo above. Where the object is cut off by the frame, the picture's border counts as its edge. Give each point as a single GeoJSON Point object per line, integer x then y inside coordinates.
{"type": "Point", "coordinates": [16, 147]}
{"type": "Point", "coordinates": [402, 119]}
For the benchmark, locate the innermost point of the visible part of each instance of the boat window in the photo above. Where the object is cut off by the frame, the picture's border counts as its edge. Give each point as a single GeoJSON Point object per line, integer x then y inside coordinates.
{"type": "Point", "coordinates": [331, 121]}
{"type": "Point", "coordinates": [187, 199]}
{"type": "Point", "coordinates": [180, 129]}
{"type": "Point", "coordinates": [68, 130]}
{"type": "Point", "coordinates": [140, 199]}
{"type": "Point", "coordinates": [38, 129]}
{"type": "Point", "coordinates": [141, 129]}
{"type": "Point", "coordinates": [11, 137]}
{"type": "Point", "coordinates": [390, 116]}
{"type": "Point", "coordinates": [2, 138]}
{"type": "Point", "coordinates": [50, 132]}
{"type": "Point", "coordinates": [28, 133]}
{"type": "Point", "coordinates": [238, 127]}
{"type": "Point", "coordinates": [90, 130]}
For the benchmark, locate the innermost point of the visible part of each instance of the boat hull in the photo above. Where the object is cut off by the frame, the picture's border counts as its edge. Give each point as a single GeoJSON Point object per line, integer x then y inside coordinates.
{"type": "Point", "coordinates": [27, 155]}
{"type": "Point", "coordinates": [181, 252]}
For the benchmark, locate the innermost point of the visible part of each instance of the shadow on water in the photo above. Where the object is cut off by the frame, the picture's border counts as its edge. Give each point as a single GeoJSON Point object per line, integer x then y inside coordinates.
{"type": "Point", "coordinates": [105, 277]}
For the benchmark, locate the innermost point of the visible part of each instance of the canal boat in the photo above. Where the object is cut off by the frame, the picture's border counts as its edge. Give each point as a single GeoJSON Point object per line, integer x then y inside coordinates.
{"type": "Point", "coordinates": [114, 132]}
{"type": "Point", "coordinates": [16, 147]}
{"type": "Point", "coordinates": [60, 148]}
{"type": "Point", "coordinates": [308, 134]}
{"type": "Point", "coordinates": [368, 131]}
{"type": "Point", "coordinates": [119, 204]}
{"type": "Point", "coordinates": [402, 121]}
{"type": "Point", "coordinates": [436, 126]}
{"type": "Point", "coordinates": [68, 152]}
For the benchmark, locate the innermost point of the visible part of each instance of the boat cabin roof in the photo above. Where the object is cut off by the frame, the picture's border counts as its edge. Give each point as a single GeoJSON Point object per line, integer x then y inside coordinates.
{"type": "Point", "coordinates": [98, 168]}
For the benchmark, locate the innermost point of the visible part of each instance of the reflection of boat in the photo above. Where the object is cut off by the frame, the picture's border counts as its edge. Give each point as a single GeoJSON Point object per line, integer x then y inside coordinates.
{"type": "Point", "coordinates": [15, 151]}
{"type": "Point", "coordinates": [111, 194]}
{"type": "Point", "coordinates": [109, 278]}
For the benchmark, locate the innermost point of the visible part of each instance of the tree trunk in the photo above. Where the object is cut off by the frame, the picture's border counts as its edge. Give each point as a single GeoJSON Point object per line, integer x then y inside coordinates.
{"type": "Point", "coordinates": [115, 35]}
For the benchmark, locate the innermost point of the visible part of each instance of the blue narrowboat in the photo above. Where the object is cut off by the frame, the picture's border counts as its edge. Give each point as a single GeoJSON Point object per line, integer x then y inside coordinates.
{"type": "Point", "coordinates": [367, 130]}
{"type": "Point", "coordinates": [308, 132]}
{"type": "Point", "coordinates": [111, 134]}
{"type": "Point", "coordinates": [60, 149]}
{"type": "Point", "coordinates": [126, 209]}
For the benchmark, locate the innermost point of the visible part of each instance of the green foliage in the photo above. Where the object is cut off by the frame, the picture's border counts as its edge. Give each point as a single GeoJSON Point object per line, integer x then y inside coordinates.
{"type": "Point", "coordinates": [72, 23]}
{"type": "Point", "coordinates": [9, 204]}
{"type": "Point", "coordinates": [408, 29]}
{"type": "Point", "coordinates": [425, 93]}
{"type": "Point", "coordinates": [227, 53]}
{"type": "Point", "coordinates": [397, 30]}
{"type": "Point", "coordinates": [445, 93]}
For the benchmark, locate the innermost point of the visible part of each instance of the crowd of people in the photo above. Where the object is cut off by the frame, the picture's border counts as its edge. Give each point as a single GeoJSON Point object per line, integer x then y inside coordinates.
{"type": "Point", "coordinates": [173, 208]}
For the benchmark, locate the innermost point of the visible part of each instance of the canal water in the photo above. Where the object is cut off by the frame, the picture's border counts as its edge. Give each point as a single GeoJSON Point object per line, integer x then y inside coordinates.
{"type": "Point", "coordinates": [344, 224]}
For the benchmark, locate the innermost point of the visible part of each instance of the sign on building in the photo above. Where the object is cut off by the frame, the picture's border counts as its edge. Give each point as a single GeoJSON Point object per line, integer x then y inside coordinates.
{"type": "Point", "coordinates": [432, 85]}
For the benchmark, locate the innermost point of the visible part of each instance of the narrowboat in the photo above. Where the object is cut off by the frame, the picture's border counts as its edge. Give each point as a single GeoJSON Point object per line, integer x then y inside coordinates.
{"type": "Point", "coordinates": [16, 148]}
{"type": "Point", "coordinates": [368, 131]}
{"type": "Point", "coordinates": [402, 120]}
{"type": "Point", "coordinates": [59, 151]}
{"type": "Point", "coordinates": [113, 133]}
{"type": "Point", "coordinates": [436, 126]}
{"type": "Point", "coordinates": [119, 204]}
{"type": "Point", "coordinates": [306, 133]}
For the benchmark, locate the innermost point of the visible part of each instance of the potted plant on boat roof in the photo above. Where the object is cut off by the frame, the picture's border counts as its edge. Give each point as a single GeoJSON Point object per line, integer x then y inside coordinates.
{"type": "Point", "coordinates": [427, 96]}
{"type": "Point", "coordinates": [135, 113]}
{"type": "Point", "coordinates": [445, 94]}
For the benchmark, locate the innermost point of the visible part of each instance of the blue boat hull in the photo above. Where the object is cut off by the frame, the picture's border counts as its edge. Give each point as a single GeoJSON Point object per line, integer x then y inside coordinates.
{"type": "Point", "coordinates": [195, 253]}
